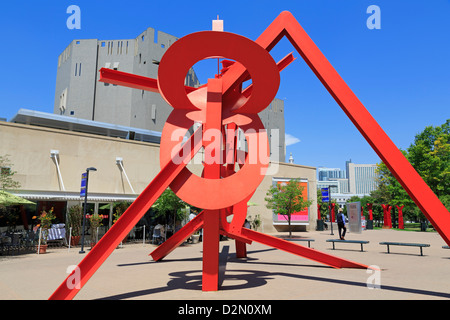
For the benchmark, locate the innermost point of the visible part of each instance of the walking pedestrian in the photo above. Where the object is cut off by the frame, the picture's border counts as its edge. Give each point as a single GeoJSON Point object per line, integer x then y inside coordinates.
{"type": "Point", "coordinates": [341, 224]}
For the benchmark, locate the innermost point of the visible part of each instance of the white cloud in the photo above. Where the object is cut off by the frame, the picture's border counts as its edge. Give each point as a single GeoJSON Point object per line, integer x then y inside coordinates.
{"type": "Point", "coordinates": [289, 140]}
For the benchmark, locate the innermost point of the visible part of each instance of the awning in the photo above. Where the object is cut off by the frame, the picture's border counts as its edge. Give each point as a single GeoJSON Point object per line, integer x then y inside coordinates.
{"type": "Point", "coordinates": [9, 199]}
{"type": "Point", "coordinates": [73, 196]}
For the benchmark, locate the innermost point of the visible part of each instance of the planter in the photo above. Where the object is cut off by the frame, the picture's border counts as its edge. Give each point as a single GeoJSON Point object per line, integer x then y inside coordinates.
{"type": "Point", "coordinates": [195, 238]}
{"type": "Point", "coordinates": [75, 240]}
{"type": "Point", "coordinates": [42, 248]}
{"type": "Point", "coordinates": [423, 226]}
{"type": "Point", "coordinates": [319, 225]}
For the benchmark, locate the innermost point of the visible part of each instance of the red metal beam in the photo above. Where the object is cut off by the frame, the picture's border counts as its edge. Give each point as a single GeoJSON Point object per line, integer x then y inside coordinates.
{"type": "Point", "coordinates": [94, 259]}
{"type": "Point", "coordinates": [299, 250]}
{"type": "Point", "coordinates": [132, 80]}
{"type": "Point", "coordinates": [282, 64]}
{"type": "Point", "coordinates": [178, 238]}
{"type": "Point", "coordinates": [286, 25]}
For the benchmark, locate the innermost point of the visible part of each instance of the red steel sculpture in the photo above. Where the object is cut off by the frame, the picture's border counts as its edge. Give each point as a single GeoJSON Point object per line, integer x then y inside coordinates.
{"type": "Point", "coordinates": [401, 224]}
{"type": "Point", "coordinates": [230, 176]}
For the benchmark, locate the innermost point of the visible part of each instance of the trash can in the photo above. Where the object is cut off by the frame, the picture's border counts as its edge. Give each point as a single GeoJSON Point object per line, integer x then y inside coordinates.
{"type": "Point", "coordinates": [319, 225]}
{"type": "Point", "coordinates": [369, 225]}
{"type": "Point", "coordinates": [423, 226]}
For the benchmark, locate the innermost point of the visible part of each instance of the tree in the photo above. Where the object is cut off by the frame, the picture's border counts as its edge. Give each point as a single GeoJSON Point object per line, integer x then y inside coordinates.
{"type": "Point", "coordinates": [429, 154]}
{"type": "Point", "coordinates": [6, 174]}
{"type": "Point", "coordinates": [7, 182]}
{"type": "Point", "coordinates": [170, 206]}
{"type": "Point", "coordinates": [287, 199]}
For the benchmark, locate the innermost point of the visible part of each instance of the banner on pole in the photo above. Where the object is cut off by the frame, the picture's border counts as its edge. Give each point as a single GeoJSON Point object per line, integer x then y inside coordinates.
{"type": "Point", "coordinates": [83, 185]}
{"type": "Point", "coordinates": [325, 195]}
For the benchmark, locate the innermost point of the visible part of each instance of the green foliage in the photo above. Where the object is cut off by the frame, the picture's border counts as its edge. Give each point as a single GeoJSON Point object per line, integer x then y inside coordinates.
{"type": "Point", "coordinates": [255, 222]}
{"type": "Point", "coordinates": [324, 206]}
{"type": "Point", "coordinates": [429, 154]}
{"type": "Point", "coordinates": [169, 205]}
{"type": "Point", "coordinates": [75, 219]}
{"type": "Point", "coordinates": [95, 221]}
{"type": "Point", "coordinates": [287, 199]}
{"type": "Point", "coordinates": [119, 209]}
{"type": "Point", "coordinates": [445, 199]}
{"type": "Point", "coordinates": [46, 219]}
{"type": "Point", "coordinates": [6, 174]}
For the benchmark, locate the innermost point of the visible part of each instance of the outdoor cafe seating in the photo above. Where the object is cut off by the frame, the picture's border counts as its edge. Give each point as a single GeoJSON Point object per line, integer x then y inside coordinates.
{"type": "Point", "coordinates": [25, 241]}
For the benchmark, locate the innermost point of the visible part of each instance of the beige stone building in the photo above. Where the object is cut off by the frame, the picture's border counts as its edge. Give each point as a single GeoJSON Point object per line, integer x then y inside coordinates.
{"type": "Point", "coordinates": [49, 163]}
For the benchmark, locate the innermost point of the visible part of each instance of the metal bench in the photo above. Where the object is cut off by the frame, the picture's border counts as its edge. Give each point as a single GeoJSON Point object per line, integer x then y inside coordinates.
{"type": "Point", "coordinates": [309, 241]}
{"type": "Point", "coordinates": [420, 245]}
{"type": "Point", "coordinates": [361, 242]}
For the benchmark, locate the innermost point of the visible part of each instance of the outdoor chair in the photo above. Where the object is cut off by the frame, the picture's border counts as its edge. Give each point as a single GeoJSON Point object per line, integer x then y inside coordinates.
{"type": "Point", "coordinates": [14, 245]}
{"type": "Point", "coordinates": [157, 236]}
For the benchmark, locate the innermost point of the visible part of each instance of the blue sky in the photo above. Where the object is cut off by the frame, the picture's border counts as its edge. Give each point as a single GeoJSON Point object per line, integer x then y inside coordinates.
{"type": "Point", "coordinates": [401, 72]}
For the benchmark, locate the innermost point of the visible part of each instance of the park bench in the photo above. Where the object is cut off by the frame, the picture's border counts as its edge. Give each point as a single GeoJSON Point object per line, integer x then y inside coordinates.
{"type": "Point", "coordinates": [420, 245]}
{"type": "Point", "coordinates": [309, 241]}
{"type": "Point", "coordinates": [361, 242]}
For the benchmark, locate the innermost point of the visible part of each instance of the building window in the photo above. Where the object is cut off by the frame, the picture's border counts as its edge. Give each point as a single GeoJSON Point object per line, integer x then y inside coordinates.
{"type": "Point", "coordinates": [63, 101]}
{"type": "Point", "coordinates": [77, 69]}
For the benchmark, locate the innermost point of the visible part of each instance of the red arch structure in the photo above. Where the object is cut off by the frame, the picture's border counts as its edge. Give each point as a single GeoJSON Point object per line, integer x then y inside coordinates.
{"type": "Point", "coordinates": [224, 106]}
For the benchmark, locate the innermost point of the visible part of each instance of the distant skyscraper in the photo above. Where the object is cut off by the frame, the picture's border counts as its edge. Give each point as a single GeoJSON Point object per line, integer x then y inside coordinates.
{"type": "Point", "coordinates": [356, 179]}
{"type": "Point", "coordinates": [362, 178]}
{"type": "Point", "coordinates": [346, 167]}
{"type": "Point", "coordinates": [325, 174]}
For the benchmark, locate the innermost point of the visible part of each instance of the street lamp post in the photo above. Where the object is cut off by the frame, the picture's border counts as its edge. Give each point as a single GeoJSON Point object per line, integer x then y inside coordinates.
{"type": "Point", "coordinates": [331, 218]}
{"type": "Point", "coordinates": [84, 187]}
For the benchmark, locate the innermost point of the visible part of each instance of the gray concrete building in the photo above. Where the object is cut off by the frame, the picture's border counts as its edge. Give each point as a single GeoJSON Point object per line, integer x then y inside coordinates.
{"type": "Point", "coordinates": [79, 94]}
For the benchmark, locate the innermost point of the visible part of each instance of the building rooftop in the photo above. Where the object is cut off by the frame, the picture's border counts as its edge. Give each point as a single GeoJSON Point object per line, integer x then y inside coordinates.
{"type": "Point", "coordinates": [50, 120]}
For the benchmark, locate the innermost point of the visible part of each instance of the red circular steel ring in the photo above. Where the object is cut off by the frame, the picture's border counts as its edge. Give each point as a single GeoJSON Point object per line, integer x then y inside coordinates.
{"type": "Point", "coordinates": [187, 51]}
{"type": "Point", "coordinates": [217, 193]}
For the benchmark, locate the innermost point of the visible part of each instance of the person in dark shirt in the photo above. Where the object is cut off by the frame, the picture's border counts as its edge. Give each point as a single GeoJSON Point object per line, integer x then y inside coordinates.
{"type": "Point", "coordinates": [341, 224]}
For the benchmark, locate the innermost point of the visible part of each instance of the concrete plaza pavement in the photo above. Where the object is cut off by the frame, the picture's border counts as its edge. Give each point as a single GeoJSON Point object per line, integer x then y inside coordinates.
{"type": "Point", "coordinates": [266, 274]}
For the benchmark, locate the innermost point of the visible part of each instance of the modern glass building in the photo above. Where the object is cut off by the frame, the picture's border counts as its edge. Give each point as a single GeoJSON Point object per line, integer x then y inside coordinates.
{"type": "Point", "coordinates": [325, 174]}
{"type": "Point", "coordinates": [357, 179]}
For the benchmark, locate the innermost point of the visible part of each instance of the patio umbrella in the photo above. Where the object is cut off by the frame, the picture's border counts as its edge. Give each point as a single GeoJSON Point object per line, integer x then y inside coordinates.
{"type": "Point", "coordinates": [106, 206]}
{"type": "Point", "coordinates": [8, 199]}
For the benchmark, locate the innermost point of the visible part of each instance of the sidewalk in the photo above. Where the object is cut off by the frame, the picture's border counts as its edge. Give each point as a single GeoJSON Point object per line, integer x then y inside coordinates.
{"type": "Point", "coordinates": [266, 274]}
